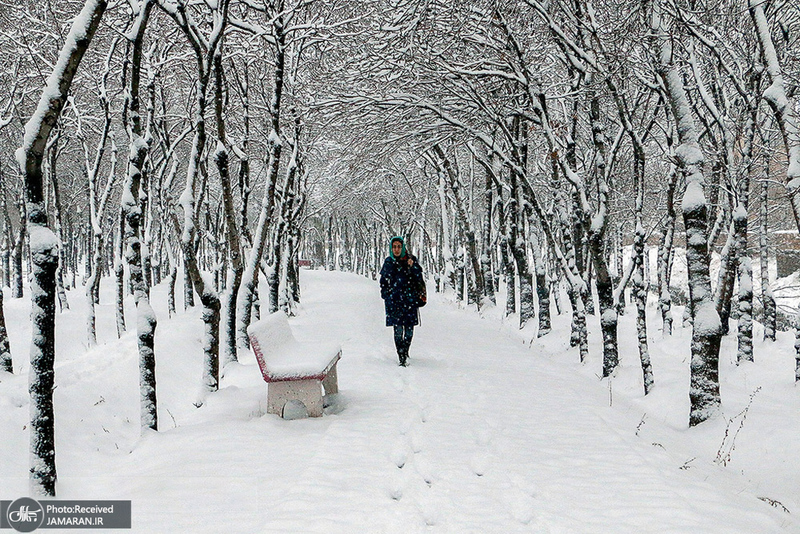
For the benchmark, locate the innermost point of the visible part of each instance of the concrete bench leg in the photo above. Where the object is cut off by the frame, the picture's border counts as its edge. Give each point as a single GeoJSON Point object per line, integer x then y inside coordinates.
{"type": "Point", "coordinates": [309, 392]}
{"type": "Point", "coordinates": [331, 382]}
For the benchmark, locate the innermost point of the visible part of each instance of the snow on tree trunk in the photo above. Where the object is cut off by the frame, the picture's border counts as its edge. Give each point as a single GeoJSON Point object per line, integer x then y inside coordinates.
{"type": "Point", "coordinates": [293, 276]}
{"type": "Point", "coordinates": [509, 272]}
{"type": "Point", "coordinates": [706, 333]}
{"type": "Point", "coordinates": [6, 363]}
{"type": "Point", "coordinates": [188, 290]}
{"type": "Point", "coordinates": [569, 248]}
{"type": "Point", "coordinates": [44, 256]}
{"type": "Point", "coordinates": [486, 239]}
{"type": "Point", "coordinates": [274, 275]}
{"type": "Point", "coordinates": [119, 276]}
{"type": "Point", "coordinates": [745, 338]}
{"type": "Point", "coordinates": [767, 300]}
{"type": "Point", "coordinates": [640, 296]}
{"type": "Point", "coordinates": [665, 256]}
{"type": "Point", "coordinates": [16, 258]}
{"type": "Point", "coordinates": [505, 260]}
{"type": "Point", "coordinates": [44, 246]}
{"type": "Point", "coordinates": [745, 269]}
{"type": "Point", "coordinates": [785, 116]}
{"type": "Point", "coordinates": [234, 245]}
{"type": "Point", "coordinates": [249, 286]}
{"type": "Point", "coordinates": [726, 278]}
{"type": "Point", "coordinates": [96, 213]}
{"type": "Point", "coordinates": [516, 244]}
{"type": "Point", "coordinates": [173, 277]}
{"type": "Point", "coordinates": [526, 308]}
{"type": "Point", "coordinates": [132, 213]}
{"type": "Point", "coordinates": [542, 288]}
{"type": "Point", "coordinates": [57, 226]}
{"type": "Point", "coordinates": [447, 245]}
{"type": "Point", "coordinates": [204, 53]}
{"type": "Point", "coordinates": [5, 255]}
{"type": "Point", "coordinates": [596, 240]}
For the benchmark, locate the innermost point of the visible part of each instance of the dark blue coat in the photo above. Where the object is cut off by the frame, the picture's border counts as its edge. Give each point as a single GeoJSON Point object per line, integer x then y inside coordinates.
{"type": "Point", "coordinates": [401, 287]}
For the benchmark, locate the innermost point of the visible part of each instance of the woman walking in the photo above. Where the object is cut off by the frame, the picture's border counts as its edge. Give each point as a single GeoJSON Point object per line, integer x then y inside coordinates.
{"type": "Point", "coordinates": [403, 292]}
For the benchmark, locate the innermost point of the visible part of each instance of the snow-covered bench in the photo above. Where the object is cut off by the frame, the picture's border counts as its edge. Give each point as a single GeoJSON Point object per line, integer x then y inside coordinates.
{"type": "Point", "coordinates": [295, 372]}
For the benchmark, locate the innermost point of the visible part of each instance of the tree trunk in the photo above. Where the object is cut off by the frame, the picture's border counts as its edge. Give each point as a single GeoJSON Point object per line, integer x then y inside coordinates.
{"type": "Point", "coordinates": [6, 363]}
{"type": "Point", "coordinates": [466, 227]}
{"type": "Point", "coordinates": [767, 299]}
{"type": "Point", "coordinates": [119, 276]}
{"type": "Point", "coordinates": [516, 244]}
{"type": "Point", "coordinates": [173, 278]}
{"type": "Point", "coordinates": [486, 239]}
{"type": "Point", "coordinates": [232, 231]}
{"type": "Point", "coordinates": [250, 276]}
{"type": "Point", "coordinates": [745, 337]}
{"type": "Point", "coordinates": [132, 212]}
{"type": "Point", "coordinates": [5, 258]}
{"type": "Point", "coordinates": [16, 257]}
{"type": "Point", "coordinates": [188, 290]}
{"type": "Point", "coordinates": [58, 228]}
{"type": "Point", "coordinates": [726, 278]}
{"type": "Point", "coordinates": [706, 333]}
{"type": "Point", "coordinates": [665, 256]}
{"type": "Point", "coordinates": [596, 240]}
{"type": "Point", "coordinates": [542, 289]}
{"type": "Point", "coordinates": [44, 247]}
{"type": "Point", "coordinates": [787, 121]}
{"type": "Point", "coordinates": [188, 234]}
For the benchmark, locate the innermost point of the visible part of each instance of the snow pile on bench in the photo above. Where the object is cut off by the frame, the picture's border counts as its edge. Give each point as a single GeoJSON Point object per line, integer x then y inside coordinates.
{"type": "Point", "coordinates": [281, 357]}
{"type": "Point", "coordinates": [294, 371]}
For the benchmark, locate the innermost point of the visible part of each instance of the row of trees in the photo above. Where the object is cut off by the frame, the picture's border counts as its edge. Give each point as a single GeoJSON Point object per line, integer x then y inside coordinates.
{"type": "Point", "coordinates": [547, 135]}
{"type": "Point", "coordinates": [208, 99]}
{"type": "Point", "coordinates": [524, 143]}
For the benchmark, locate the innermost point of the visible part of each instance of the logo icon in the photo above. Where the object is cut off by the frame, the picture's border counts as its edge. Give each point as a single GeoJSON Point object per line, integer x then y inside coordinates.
{"type": "Point", "coordinates": [25, 514]}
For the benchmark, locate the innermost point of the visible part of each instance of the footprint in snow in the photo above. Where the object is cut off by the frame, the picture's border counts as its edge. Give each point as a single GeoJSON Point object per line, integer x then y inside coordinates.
{"type": "Point", "coordinates": [395, 487]}
{"type": "Point", "coordinates": [417, 442]}
{"type": "Point", "coordinates": [425, 469]}
{"type": "Point", "coordinates": [479, 463]}
{"type": "Point", "coordinates": [424, 414]}
{"type": "Point", "coordinates": [431, 511]}
{"type": "Point", "coordinates": [521, 506]}
{"type": "Point", "coordinates": [399, 455]}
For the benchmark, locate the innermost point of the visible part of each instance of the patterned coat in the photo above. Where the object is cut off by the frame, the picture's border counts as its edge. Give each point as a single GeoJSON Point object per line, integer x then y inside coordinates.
{"type": "Point", "coordinates": [401, 287]}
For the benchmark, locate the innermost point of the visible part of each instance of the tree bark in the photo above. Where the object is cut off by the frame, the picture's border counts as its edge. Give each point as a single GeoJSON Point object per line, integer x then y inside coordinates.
{"type": "Point", "coordinates": [232, 229]}
{"type": "Point", "coordinates": [464, 224]}
{"type": "Point", "coordinates": [204, 55]}
{"type": "Point", "coordinates": [250, 276]}
{"type": "Point", "coordinates": [767, 299]}
{"type": "Point", "coordinates": [706, 333]}
{"type": "Point", "coordinates": [745, 270]}
{"type": "Point", "coordinates": [6, 363]}
{"type": "Point", "coordinates": [146, 322]}
{"type": "Point", "coordinates": [44, 246]}
{"type": "Point", "coordinates": [783, 109]}
{"type": "Point", "coordinates": [665, 253]}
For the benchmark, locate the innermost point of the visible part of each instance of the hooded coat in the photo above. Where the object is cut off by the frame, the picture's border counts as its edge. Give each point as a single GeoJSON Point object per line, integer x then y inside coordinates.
{"type": "Point", "coordinates": [401, 286]}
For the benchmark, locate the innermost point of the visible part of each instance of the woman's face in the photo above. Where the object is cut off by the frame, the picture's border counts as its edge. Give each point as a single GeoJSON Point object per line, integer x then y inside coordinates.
{"type": "Point", "coordinates": [397, 247]}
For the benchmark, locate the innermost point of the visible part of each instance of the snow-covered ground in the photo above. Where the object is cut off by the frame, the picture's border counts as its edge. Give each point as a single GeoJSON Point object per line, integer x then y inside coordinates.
{"type": "Point", "coordinates": [488, 430]}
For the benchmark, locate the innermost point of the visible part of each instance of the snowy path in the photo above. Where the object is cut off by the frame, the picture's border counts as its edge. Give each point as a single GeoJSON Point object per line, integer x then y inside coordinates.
{"type": "Point", "coordinates": [482, 433]}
